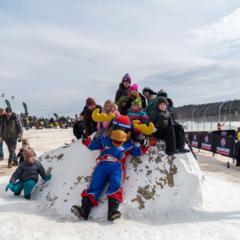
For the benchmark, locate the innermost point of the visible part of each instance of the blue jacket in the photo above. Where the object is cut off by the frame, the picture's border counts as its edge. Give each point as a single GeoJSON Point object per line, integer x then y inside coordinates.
{"type": "Point", "coordinates": [112, 153]}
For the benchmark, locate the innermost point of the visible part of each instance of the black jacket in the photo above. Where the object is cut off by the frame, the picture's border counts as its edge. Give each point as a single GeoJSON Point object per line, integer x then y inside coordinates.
{"type": "Point", "coordinates": [122, 91]}
{"type": "Point", "coordinates": [90, 126]}
{"type": "Point", "coordinates": [162, 119]}
{"type": "Point", "coordinates": [27, 171]}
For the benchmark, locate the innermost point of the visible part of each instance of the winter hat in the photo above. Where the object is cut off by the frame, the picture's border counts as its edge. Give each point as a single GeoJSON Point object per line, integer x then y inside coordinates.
{"type": "Point", "coordinates": [137, 102]}
{"type": "Point", "coordinates": [90, 102]}
{"type": "Point", "coordinates": [149, 90]}
{"type": "Point", "coordinates": [162, 93]}
{"type": "Point", "coordinates": [133, 87]}
{"type": "Point", "coordinates": [162, 100]}
{"type": "Point", "coordinates": [126, 78]}
{"type": "Point", "coordinates": [28, 153]}
{"type": "Point", "coordinates": [122, 121]}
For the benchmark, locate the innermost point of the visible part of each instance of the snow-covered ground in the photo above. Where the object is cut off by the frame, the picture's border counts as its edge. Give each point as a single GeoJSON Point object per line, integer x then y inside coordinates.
{"type": "Point", "coordinates": [219, 217]}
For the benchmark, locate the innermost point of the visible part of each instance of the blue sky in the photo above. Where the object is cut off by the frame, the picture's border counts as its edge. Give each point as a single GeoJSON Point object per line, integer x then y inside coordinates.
{"type": "Point", "coordinates": [54, 54]}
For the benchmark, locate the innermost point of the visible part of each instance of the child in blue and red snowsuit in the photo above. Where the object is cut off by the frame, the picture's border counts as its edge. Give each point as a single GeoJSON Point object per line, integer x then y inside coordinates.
{"type": "Point", "coordinates": [109, 169]}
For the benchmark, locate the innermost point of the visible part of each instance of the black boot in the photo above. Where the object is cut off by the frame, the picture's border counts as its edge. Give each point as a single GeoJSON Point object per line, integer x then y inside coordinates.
{"type": "Point", "coordinates": [83, 211]}
{"type": "Point", "coordinates": [113, 212]}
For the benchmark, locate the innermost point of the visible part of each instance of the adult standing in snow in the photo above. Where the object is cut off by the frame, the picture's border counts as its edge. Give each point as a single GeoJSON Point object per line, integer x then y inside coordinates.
{"type": "Point", "coordinates": [90, 126]}
{"type": "Point", "coordinates": [1, 140]}
{"type": "Point", "coordinates": [11, 130]}
{"type": "Point", "coordinates": [123, 87]}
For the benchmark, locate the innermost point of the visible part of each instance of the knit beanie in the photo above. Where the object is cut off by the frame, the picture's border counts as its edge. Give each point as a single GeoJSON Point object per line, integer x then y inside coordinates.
{"type": "Point", "coordinates": [162, 93]}
{"type": "Point", "coordinates": [137, 102]}
{"type": "Point", "coordinates": [133, 87]}
{"type": "Point", "coordinates": [162, 100]}
{"type": "Point", "coordinates": [90, 102]}
{"type": "Point", "coordinates": [126, 78]}
{"type": "Point", "coordinates": [149, 90]}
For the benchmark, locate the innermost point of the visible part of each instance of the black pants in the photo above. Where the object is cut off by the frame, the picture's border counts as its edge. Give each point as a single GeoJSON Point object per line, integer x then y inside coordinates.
{"type": "Point", "coordinates": [168, 135]}
{"type": "Point", "coordinates": [180, 139]}
{"type": "Point", "coordinates": [11, 144]}
{"type": "Point", "coordinates": [238, 154]}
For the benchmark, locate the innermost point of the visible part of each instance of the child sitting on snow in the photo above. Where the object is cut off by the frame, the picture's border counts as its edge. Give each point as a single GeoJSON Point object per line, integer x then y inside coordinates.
{"type": "Point", "coordinates": [25, 145]}
{"type": "Point", "coordinates": [164, 124]}
{"type": "Point", "coordinates": [27, 175]}
{"type": "Point", "coordinates": [102, 127]}
{"type": "Point", "coordinates": [136, 113]}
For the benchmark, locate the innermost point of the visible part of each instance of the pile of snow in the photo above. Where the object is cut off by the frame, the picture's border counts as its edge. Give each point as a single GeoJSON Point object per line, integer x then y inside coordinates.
{"type": "Point", "coordinates": [154, 183]}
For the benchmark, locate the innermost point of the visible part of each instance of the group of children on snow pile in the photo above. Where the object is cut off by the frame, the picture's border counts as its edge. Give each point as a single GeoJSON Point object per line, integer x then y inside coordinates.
{"type": "Point", "coordinates": [146, 107]}
{"type": "Point", "coordinates": [118, 134]}
{"type": "Point", "coordinates": [25, 176]}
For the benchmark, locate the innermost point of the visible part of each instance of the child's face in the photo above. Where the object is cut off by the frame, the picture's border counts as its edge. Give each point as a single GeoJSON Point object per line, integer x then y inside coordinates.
{"type": "Point", "coordinates": [126, 84]}
{"type": "Point", "coordinates": [135, 108]}
{"type": "Point", "coordinates": [108, 107]}
{"type": "Point", "coordinates": [162, 106]}
{"type": "Point", "coordinates": [24, 146]}
{"type": "Point", "coordinates": [31, 160]}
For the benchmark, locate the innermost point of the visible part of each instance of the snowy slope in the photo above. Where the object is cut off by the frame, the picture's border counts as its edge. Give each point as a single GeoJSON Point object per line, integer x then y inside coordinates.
{"type": "Point", "coordinates": [154, 183]}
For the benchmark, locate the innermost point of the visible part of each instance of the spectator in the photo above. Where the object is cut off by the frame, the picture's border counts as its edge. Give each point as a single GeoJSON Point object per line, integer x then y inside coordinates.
{"type": "Point", "coordinates": [11, 130]}
{"type": "Point", "coordinates": [25, 145]}
{"type": "Point", "coordinates": [123, 87]}
{"type": "Point", "coordinates": [178, 128]}
{"type": "Point", "coordinates": [102, 127]}
{"type": "Point", "coordinates": [1, 140]}
{"type": "Point", "coordinates": [90, 126]}
{"type": "Point", "coordinates": [164, 124]}
{"type": "Point", "coordinates": [26, 175]}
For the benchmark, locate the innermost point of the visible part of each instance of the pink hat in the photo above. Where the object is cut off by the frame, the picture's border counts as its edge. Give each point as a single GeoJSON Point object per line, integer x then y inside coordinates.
{"type": "Point", "coordinates": [133, 87]}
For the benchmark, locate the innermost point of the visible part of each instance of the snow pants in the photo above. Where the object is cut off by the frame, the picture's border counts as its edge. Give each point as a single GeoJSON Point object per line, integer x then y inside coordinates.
{"type": "Point", "coordinates": [105, 172]}
{"type": "Point", "coordinates": [27, 186]}
{"type": "Point", "coordinates": [179, 132]}
{"type": "Point", "coordinates": [168, 135]}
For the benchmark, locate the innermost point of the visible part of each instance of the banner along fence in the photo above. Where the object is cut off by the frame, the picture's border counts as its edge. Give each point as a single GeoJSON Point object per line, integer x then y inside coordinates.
{"type": "Point", "coordinates": [220, 142]}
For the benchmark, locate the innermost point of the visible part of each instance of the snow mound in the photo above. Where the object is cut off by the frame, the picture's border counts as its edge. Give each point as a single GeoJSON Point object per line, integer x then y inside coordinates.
{"type": "Point", "coordinates": [154, 183]}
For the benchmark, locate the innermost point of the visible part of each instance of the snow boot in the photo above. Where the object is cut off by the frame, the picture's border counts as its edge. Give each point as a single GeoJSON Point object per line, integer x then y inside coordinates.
{"type": "Point", "coordinates": [83, 211]}
{"type": "Point", "coordinates": [28, 197]}
{"type": "Point", "coordinates": [183, 150]}
{"type": "Point", "coordinates": [113, 212]}
{"type": "Point", "coordinates": [9, 164]}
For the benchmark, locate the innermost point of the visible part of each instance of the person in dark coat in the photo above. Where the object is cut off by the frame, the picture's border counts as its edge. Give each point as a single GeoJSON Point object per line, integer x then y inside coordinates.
{"type": "Point", "coordinates": [1, 140]}
{"type": "Point", "coordinates": [123, 87]}
{"type": "Point", "coordinates": [78, 128]}
{"type": "Point", "coordinates": [90, 126]}
{"type": "Point", "coordinates": [26, 175]}
{"type": "Point", "coordinates": [11, 131]}
{"type": "Point", "coordinates": [178, 128]}
{"type": "Point", "coordinates": [164, 125]}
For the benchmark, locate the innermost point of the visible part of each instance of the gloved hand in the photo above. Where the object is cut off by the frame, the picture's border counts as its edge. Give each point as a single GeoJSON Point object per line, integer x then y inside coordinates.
{"type": "Point", "coordinates": [9, 186]}
{"type": "Point", "coordinates": [144, 142]}
{"type": "Point", "coordinates": [84, 136]}
{"type": "Point", "coordinates": [47, 178]}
